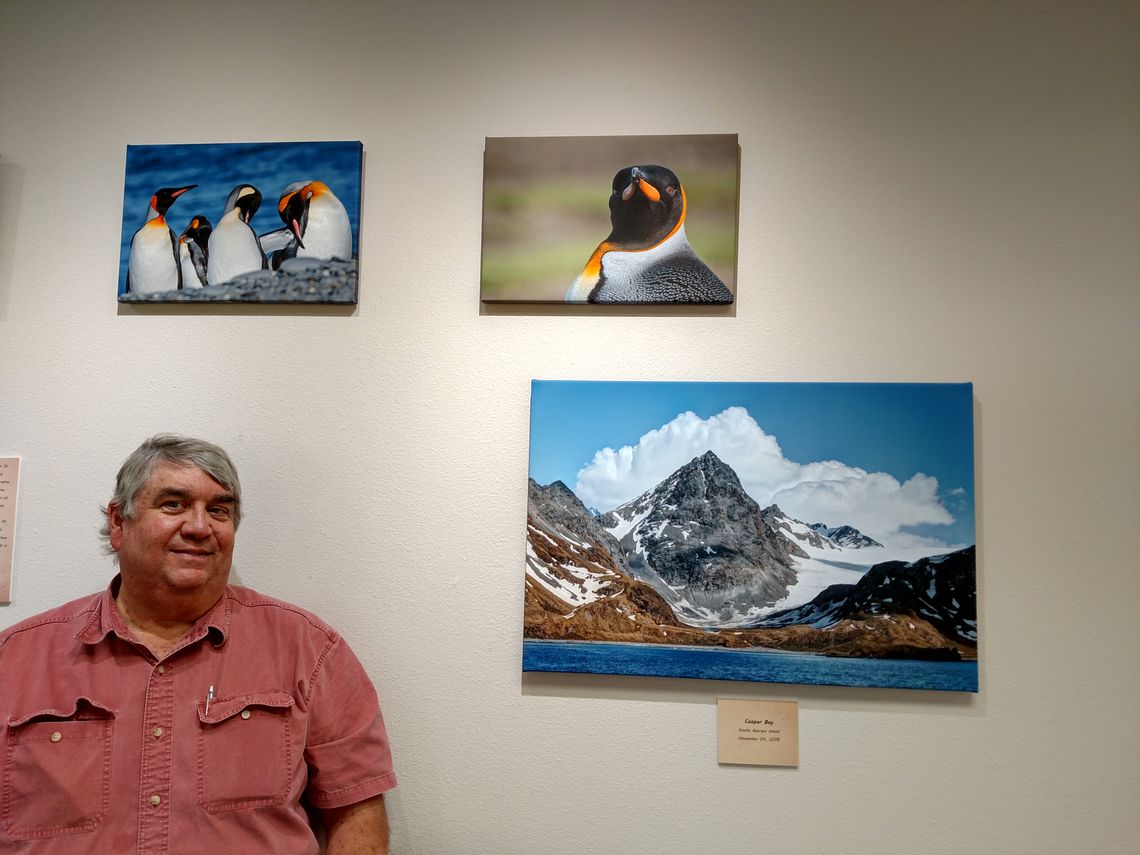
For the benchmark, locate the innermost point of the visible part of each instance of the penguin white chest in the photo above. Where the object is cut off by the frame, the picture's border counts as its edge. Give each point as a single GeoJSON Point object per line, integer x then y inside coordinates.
{"type": "Point", "coordinates": [191, 278]}
{"type": "Point", "coordinates": [328, 233]}
{"type": "Point", "coordinates": [152, 266]}
{"type": "Point", "coordinates": [234, 250]}
{"type": "Point", "coordinates": [621, 269]}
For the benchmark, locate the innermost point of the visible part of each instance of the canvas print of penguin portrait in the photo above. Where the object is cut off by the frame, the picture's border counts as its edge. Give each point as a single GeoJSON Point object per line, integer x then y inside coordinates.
{"type": "Point", "coordinates": [302, 248]}
{"type": "Point", "coordinates": [672, 204]}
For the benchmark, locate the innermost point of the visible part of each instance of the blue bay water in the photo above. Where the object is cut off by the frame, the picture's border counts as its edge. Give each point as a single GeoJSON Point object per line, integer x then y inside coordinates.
{"type": "Point", "coordinates": [718, 663]}
{"type": "Point", "coordinates": [219, 167]}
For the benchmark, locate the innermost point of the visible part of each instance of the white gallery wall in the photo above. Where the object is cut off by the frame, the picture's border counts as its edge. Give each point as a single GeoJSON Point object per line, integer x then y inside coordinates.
{"type": "Point", "coordinates": [930, 191]}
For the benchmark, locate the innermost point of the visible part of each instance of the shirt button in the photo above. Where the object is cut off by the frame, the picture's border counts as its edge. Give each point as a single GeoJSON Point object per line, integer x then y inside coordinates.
{"type": "Point", "coordinates": [155, 801]}
{"type": "Point", "coordinates": [157, 732]}
{"type": "Point", "coordinates": [245, 713]}
{"type": "Point", "coordinates": [56, 736]}
{"type": "Point", "coordinates": [161, 669]}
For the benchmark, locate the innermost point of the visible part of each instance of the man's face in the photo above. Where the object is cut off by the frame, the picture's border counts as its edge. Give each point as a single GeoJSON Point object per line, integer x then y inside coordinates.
{"type": "Point", "coordinates": [181, 539]}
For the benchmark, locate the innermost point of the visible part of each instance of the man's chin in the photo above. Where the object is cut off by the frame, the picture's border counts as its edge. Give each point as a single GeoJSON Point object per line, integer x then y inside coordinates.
{"type": "Point", "coordinates": [194, 573]}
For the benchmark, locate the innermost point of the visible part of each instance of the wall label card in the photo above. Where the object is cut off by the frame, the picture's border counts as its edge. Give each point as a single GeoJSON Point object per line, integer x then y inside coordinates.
{"type": "Point", "coordinates": [758, 733]}
{"type": "Point", "coordinates": [9, 479]}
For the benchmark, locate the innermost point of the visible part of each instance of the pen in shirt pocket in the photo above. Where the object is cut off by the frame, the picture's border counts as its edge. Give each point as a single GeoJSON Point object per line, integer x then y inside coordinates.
{"type": "Point", "coordinates": [209, 697]}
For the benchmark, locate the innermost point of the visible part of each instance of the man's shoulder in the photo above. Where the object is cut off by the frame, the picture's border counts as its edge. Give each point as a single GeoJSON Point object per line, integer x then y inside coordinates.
{"type": "Point", "coordinates": [278, 611]}
{"type": "Point", "coordinates": [72, 614]}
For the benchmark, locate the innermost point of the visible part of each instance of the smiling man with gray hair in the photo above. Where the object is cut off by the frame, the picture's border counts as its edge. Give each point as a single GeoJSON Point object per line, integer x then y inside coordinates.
{"type": "Point", "coordinates": [175, 712]}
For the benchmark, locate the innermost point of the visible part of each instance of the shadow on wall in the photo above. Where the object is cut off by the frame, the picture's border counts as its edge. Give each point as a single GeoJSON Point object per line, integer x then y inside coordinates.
{"type": "Point", "coordinates": [11, 193]}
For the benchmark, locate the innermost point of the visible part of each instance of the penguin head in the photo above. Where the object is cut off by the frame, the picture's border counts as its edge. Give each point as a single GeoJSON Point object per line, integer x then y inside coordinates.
{"type": "Point", "coordinates": [646, 206]}
{"type": "Point", "coordinates": [198, 230]}
{"type": "Point", "coordinates": [293, 208]}
{"type": "Point", "coordinates": [288, 193]}
{"type": "Point", "coordinates": [316, 188]}
{"type": "Point", "coordinates": [246, 199]}
{"type": "Point", "coordinates": [162, 199]}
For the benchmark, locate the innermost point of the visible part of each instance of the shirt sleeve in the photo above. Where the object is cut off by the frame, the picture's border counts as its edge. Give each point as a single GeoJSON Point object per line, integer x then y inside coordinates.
{"type": "Point", "coordinates": [347, 748]}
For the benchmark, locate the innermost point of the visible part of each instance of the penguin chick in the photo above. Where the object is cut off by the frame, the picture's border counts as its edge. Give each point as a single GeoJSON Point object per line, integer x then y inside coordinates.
{"type": "Point", "coordinates": [233, 248]}
{"type": "Point", "coordinates": [153, 265]}
{"type": "Point", "coordinates": [647, 257]}
{"type": "Point", "coordinates": [192, 254]}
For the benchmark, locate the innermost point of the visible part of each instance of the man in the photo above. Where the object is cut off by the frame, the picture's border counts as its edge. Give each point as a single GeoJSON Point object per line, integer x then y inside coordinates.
{"type": "Point", "coordinates": [176, 713]}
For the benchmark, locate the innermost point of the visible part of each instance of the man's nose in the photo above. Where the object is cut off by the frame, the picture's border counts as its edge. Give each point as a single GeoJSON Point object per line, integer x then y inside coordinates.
{"type": "Point", "coordinates": [196, 522]}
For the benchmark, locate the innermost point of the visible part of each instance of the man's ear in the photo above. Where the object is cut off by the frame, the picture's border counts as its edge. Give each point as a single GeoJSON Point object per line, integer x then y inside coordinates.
{"type": "Point", "coordinates": [115, 524]}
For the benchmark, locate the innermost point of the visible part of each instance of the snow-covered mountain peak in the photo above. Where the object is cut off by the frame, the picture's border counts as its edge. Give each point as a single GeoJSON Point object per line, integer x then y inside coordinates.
{"type": "Point", "coordinates": [702, 542]}
{"type": "Point", "coordinates": [845, 535]}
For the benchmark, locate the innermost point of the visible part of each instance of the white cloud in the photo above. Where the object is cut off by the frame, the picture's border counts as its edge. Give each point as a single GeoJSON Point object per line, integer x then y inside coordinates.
{"type": "Point", "coordinates": [613, 477]}
{"type": "Point", "coordinates": [874, 502]}
{"type": "Point", "coordinates": [827, 491]}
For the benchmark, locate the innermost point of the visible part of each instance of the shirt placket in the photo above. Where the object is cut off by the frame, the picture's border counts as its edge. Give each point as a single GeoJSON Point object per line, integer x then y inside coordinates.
{"type": "Point", "coordinates": [157, 761]}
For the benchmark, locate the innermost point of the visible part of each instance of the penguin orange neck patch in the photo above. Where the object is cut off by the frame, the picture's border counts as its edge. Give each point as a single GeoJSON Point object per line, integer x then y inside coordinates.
{"type": "Point", "coordinates": [680, 219]}
{"type": "Point", "coordinates": [593, 267]}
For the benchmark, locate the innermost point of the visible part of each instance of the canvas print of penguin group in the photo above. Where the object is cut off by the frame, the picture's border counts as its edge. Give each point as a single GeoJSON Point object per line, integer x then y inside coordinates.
{"type": "Point", "coordinates": [811, 533]}
{"type": "Point", "coordinates": [195, 226]}
{"type": "Point", "coordinates": [635, 219]}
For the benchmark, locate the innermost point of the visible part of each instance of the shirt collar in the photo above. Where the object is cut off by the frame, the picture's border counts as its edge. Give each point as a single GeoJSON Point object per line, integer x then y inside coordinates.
{"type": "Point", "coordinates": [106, 619]}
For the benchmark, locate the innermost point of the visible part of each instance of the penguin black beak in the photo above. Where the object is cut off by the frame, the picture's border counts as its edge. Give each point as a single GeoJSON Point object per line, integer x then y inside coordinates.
{"type": "Point", "coordinates": [174, 194]}
{"type": "Point", "coordinates": [634, 177]}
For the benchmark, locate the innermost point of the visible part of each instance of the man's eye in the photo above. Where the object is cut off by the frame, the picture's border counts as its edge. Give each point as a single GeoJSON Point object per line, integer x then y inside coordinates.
{"type": "Point", "coordinates": [172, 504]}
{"type": "Point", "coordinates": [220, 512]}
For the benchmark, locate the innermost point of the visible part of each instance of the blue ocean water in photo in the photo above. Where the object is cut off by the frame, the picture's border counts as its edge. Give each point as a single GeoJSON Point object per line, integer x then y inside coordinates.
{"type": "Point", "coordinates": [718, 663]}
{"type": "Point", "coordinates": [219, 167]}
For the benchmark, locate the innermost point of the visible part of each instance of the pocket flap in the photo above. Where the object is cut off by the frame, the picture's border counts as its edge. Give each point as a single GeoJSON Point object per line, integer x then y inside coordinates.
{"type": "Point", "coordinates": [80, 708]}
{"type": "Point", "coordinates": [224, 708]}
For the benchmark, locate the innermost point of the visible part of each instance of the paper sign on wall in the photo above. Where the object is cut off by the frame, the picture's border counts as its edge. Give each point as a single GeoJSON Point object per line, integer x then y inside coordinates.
{"type": "Point", "coordinates": [758, 733]}
{"type": "Point", "coordinates": [9, 478]}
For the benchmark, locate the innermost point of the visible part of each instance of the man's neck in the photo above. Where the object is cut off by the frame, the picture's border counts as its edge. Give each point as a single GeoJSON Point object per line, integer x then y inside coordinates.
{"type": "Point", "coordinates": [161, 626]}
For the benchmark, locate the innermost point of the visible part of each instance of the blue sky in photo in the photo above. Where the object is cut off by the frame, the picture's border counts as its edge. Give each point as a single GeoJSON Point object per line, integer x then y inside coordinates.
{"type": "Point", "coordinates": [900, 429]}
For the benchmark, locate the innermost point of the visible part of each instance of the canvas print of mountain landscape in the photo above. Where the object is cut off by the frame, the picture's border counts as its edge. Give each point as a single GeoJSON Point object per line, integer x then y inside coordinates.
{"type": "Point", "coordinates": [241, 223]}
{"type": "Point", "coordinates": [818, 533]}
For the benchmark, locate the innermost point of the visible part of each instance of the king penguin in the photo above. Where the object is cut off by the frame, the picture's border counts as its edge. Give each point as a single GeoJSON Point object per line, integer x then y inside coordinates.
{"type": "Point", "coordinates": [153, 264]}
{"type": "Point", "coordinates": [282, 243]}
{"type": "Point", "coordinates": [318, 221]}
{"type": "Point", "coordinates": [192, 255]}
{"type": "Point", "coordinates": [647, 257]}
{"type": "Point", "coordinates": [233, 248]}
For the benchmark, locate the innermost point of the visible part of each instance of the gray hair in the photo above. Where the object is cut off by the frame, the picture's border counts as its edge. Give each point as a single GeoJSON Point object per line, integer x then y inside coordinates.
{"type": "Point", "coordinates": [168, 448]}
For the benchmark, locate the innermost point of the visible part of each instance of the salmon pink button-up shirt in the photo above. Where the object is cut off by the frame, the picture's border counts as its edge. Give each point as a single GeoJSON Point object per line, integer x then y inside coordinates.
{"type": "Point", "coordinates": [108, 750]}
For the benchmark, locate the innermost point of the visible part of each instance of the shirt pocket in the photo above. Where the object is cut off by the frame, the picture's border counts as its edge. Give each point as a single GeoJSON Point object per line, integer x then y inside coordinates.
{"type": "Point", "coordinates": [57, 770]}
{"type": "Point", "coordinates": [245, 754]}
